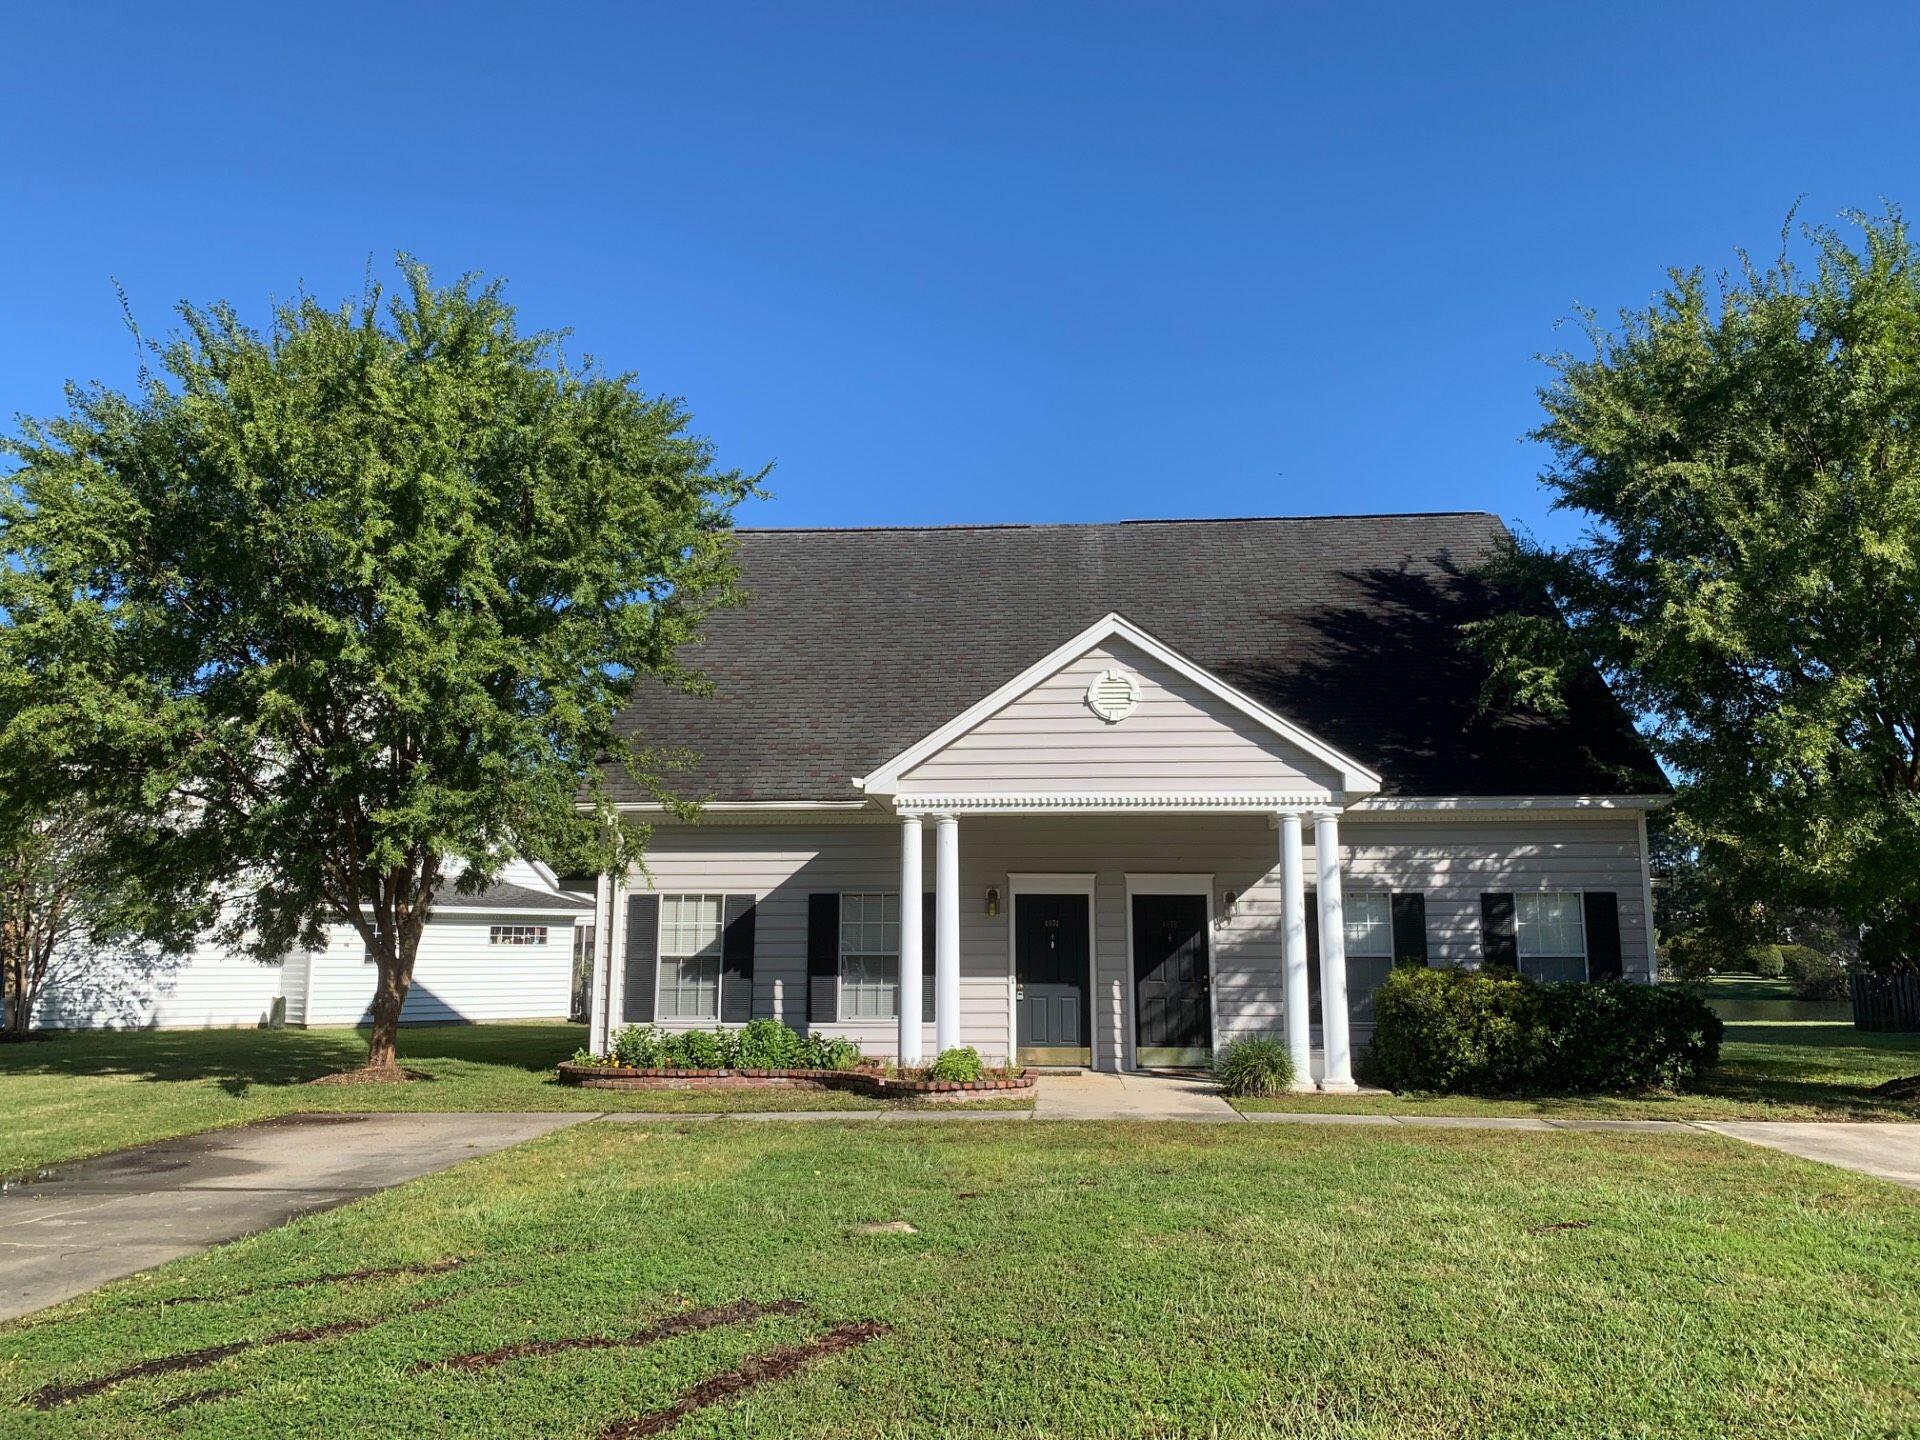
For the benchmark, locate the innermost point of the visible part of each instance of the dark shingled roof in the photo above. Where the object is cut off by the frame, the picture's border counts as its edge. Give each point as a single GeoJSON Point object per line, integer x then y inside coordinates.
{"type": "Point", "coordinates": [504, 896]}
{"type": "Point", "coordinates": [855, 643]}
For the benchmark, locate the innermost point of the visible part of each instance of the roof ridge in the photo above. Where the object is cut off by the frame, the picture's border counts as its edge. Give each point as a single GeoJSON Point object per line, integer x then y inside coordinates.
{"type": "Point", "coordinates": [1111, 524]}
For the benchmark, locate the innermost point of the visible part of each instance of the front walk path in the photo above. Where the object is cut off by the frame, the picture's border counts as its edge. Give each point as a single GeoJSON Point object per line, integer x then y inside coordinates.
{"type": "Point", "coordinates": [65, 1229]}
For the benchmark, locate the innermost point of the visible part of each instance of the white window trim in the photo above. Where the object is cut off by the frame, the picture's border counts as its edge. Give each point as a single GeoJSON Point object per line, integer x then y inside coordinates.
{"type": "Point", "coordinates": [840, 965]}
{"type": "Point", "coordinates": [1349, 893]}
{"type": "Point", "coordinates": [660, 1016]}
{"type": "Point", "coordinates": [494, 931]}
{"type": "Point", "coordinates": [1520, 956]}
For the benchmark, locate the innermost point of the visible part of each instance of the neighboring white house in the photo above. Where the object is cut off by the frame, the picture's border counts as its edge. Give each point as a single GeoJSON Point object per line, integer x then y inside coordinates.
{"type": "Point", "coordinates": [1103, 794]}
{"type": "Point", "coordinates": [506, 953]}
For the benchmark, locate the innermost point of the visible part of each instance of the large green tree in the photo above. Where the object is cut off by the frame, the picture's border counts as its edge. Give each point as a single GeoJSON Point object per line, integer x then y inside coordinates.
{"type": "Point", "coordinates": [335, 615]}
{"type": "Point", "coordinates": [1747, 455]}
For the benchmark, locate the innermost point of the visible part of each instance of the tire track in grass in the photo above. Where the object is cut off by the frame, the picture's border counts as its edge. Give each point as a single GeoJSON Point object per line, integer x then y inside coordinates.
{"type": "Point", "coordinates": [755, 1370]}
{"type": "Point", "coordinates": [52, 1397]}
{"type": "Point", "coordinates": [690, 1322]}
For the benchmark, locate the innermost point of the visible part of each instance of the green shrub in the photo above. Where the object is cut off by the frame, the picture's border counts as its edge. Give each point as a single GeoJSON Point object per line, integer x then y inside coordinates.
{"type": "Point", "coordinates": [699, 1050]}
{"type": "Point", "coordinates": [962, 1062]}
{"type": "Point", "coordinates": [766, 1045]}
{"type": "Point", "coordinates": [1443, 1030]}
{"type": "Point", "coordinates": [1813, 976]}
{"type": "Point", "coordinates": [827, 1052]}
{"type": "Point", "coordinates": [1768, 962]}
{"type": "Point", "coordinates": [583, 1056]}
{"type": "Point", "coordinates": [1254, 1065]}
{"type": "Point", "coordinates": [642, 1046]}
{"type": "Point", "coordinates": [1453, 1030]}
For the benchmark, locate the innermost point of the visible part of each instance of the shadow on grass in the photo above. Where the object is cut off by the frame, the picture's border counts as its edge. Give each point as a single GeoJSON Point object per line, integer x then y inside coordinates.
{"type": "Point", "coordinates": [238, 1060]}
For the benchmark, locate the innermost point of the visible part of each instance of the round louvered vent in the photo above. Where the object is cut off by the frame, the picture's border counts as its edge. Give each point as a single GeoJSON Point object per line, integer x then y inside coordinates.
{"type": "Point", "coordinates": [1113, 695]}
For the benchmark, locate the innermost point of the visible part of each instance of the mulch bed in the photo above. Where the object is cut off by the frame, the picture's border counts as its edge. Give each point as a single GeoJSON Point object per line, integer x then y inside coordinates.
{"type": "Point", "coordinates": [867, 1081]}
{"type": "Point", "coordinates": [373, 1075]}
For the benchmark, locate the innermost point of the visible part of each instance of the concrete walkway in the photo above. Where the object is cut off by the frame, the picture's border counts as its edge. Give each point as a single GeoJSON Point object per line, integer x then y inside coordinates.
{"type": "Point", "coordinates": [1888, 1149]}
{"type": "Point", "coordinates": [68, 1228]}
{"type": "Point", "coordinates": [1102, 1095]}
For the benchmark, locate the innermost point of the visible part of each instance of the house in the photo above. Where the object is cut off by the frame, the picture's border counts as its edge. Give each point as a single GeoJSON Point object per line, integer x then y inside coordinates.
{"type": "Point", "coordinates": [1109, 794]}
{"type": "Point", "coordinates": [505, 953]}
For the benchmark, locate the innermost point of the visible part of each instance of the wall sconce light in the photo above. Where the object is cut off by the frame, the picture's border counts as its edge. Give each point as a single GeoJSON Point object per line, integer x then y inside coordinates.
{"type": "Point", "coordinates": [1229, 902]}
{"type": "Point", "coordinates": [993, 901]}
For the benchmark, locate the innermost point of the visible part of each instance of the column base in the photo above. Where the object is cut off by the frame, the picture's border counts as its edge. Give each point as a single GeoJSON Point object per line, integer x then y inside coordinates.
{"type": "Point", "coordinates": [1303, 1087]}
{"type": "Point", "coordinates": [1340, 1087]}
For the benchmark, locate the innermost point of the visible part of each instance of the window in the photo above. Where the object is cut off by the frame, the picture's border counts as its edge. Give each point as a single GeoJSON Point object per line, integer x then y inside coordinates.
{"type": "Point", "coordinates": [869, 957]}
{"type": "Point", "coordinates": [1551, 935]}
{"type": "Point", "coordinates": [516, 934]}
{"type": "Point", "coordinates": [690, 928]}
{"type": "Point", "coordinates": [1369, 916]}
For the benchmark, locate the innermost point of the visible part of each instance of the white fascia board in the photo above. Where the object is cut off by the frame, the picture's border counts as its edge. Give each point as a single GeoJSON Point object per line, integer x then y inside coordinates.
{"type": "Point", "coordinates": [1355, 778]}
{"type": "Point", "coordinates": [1477, 804]}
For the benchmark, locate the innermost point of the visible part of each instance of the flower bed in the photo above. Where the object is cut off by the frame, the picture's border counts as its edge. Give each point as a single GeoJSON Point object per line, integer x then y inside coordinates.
{"type": "Point", "coordinates": [867, 1080]}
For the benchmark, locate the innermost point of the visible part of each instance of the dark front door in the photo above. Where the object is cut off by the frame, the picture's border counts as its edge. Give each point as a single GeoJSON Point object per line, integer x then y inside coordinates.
{"type": "Point", "coordinates": [1052, 1025]}
{"type": "Point", "coordinates": [1171, 980]}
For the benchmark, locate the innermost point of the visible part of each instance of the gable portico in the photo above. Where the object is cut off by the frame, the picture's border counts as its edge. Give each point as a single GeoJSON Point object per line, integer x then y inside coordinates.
{"type": "Point", "coordinates": [1115, 722]}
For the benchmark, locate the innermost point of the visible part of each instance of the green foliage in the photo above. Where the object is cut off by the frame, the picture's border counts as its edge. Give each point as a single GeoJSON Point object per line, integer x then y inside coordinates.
{"type": "Point", "coordinates": [828, 1052]}
{"type": "Point", "coordinates": [700, 1050]}
{"type": "Point", "coordinates": [642, 1046]}
{"type": "Point", "coordinates": [961, 1062]}
{"type": "Point", "coordinates": [1748, 462]}
{"type": "Point", "coordinates": [1814, 976]}
{"type": "Point", "coordinates": [350, 602]}
{"type": "Point", "coordinates": [767, 1045]}
{"type": "Point", "coordinates": [1457, 1031]}
{"type": "Point", "coordinates": [1254, 1065]}
{"type": "Point", "coordinates": [1767, 962]}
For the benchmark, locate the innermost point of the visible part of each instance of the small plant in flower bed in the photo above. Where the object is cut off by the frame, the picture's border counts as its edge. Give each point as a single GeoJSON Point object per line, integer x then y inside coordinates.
{"type": "Point", "coordinates": [962, 1062]}
{"type": "Point", "coordinates": [828, 1052]}
{"type": "Point", "coordinates": [758, 1045]}
{"type": "Point", "coordinates": [1254, 1065]}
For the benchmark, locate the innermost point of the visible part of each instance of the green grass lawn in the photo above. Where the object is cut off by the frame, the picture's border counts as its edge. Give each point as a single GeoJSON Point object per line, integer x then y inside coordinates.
{"type": "Point", "coordinates": [1063, 1281]}
{"type": "Point", "coordinates": [83, 1093]}
{"type": "Point", "coordinates": [1767, 1072]}
{"type": "Point", "coordinates": [1757, 998]}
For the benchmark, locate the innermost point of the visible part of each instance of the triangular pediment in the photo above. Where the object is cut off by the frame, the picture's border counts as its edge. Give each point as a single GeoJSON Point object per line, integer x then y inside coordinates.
{"type": "Point", "coordinates": [1114, 710]}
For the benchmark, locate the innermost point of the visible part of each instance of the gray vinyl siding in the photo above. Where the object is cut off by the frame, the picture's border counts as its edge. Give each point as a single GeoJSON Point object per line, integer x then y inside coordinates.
{"type": "Point", "coordinates": [1178, 738]}
{"type": "Point", "coordinates": [1449, 861]}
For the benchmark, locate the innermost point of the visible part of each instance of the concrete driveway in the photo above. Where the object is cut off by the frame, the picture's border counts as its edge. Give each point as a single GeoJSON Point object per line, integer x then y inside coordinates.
{"type": "Point", "coordinates": [1888, 1149]}
{"type": "Point", "coordinates": [68, 1228]}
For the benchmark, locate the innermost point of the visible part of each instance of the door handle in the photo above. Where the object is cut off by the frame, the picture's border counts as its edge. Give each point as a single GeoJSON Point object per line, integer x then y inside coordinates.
{"type": "Point", "coordinates": [1019, 991]}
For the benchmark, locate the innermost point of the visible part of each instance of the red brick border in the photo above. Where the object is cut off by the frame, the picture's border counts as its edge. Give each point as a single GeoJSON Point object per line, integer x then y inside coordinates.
{"type": "Point", "coordinates": [864, 1082]}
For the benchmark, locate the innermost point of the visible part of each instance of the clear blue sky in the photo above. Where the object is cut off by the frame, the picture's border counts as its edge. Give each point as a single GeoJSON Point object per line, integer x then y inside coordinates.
{"type": "Point", "coordinates": [980, 262]}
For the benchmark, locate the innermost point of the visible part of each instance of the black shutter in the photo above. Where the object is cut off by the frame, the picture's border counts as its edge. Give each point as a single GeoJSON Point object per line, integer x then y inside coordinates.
{"type": "Point", "coordinates": [823, 958]}
{"type": "Point", "coordinates": [736, 961]}
{"type": "Point", "coordinates": [1603, 934]}
{"type": "Point", "coordinates": [1312, 907]}
{"type": "Point", "coordinates": [1499, 940]}
{"type": "Point", "coordinates": [926, 959]}
{"type": "Point", "coordinates": [1409, 927]}
{"type": "Point", "coordinates": [643, 959]}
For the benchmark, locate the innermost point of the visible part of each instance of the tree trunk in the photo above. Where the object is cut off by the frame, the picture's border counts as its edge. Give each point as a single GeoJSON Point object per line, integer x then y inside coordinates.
{"type": "Point", "coordinates": [389, 996]}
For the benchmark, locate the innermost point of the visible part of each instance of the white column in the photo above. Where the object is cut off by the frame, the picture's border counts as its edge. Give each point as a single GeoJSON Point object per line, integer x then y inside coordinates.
{"type": "Point", "coordinates": [910, 940]}
{"type": "Point", "coordinates": [1293, 937]}
{"type": "Point", "coordinates": [1333, 955]}
{"type": "Point", "coordinates": [602, 965]}
{"type": "Point", "coordinates": [946, 933]}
